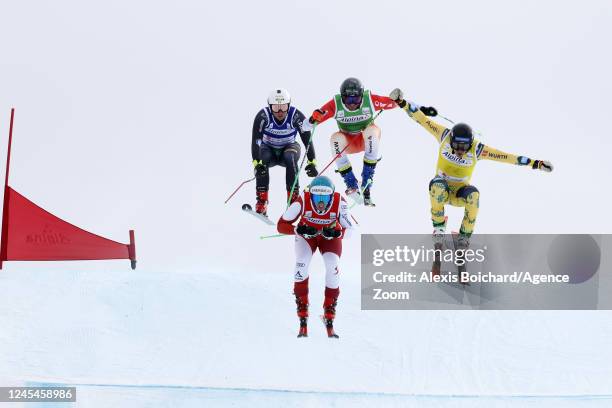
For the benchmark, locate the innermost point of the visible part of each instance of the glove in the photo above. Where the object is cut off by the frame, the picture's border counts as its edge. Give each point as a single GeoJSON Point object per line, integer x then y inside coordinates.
{"type": "Point", "coordinates": [317, 116]}
{"type": "Point", "coordinates": [542, 165]}
{"type": "Point", "coordinates": [307, 231]}
{"type": "Point", "coordinates": [261, 170]}
{"type": "Point", "coordinates": [429, 110]}
{"type": "Point", "coordinates": [311, 168]}
{"type": "Point", "coordinates": [331, 233]}
{"type": "Point", "coordinates": [397, 95]}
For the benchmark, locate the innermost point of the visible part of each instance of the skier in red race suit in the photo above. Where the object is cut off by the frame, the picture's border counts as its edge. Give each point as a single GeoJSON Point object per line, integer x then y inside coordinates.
{"type": "Point", "coordinates": [323, 219]}
{"type": "Point", "coordinates": [353, 108]}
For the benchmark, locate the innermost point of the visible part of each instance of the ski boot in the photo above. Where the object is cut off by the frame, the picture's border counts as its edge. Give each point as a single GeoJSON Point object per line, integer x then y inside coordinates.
{"type": "Point", "coordinates": [367, 199]}
{"type": "Point", "coordinates": [329, 314]}
{"type": "Point", "coordinates": [438, 240]}
{"type": "Point", "coordinates": [352, 188]}
{"type": "Point", "coordinates": [261, 206]}
{"type": "Point", "coordinates": [302, 312]}
{"type": "Point", "coordinates": [367, 179]}
{"type": "Point", "coordinates": [463, 240]}
{"type": "Point", "coordinates": [462, 243]}
{"type": "Point", "coordinates": [438, 234]}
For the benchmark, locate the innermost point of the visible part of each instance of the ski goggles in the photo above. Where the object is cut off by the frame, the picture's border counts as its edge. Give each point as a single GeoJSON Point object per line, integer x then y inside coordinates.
{"type": "Point", "coordinates": [463, 144]}
{"type": "Point", "coordinates": [283, 107]}
{"type": "Point", "coordinates": [352, 99]}
{"type": "Point", "coordinates": [317, 198]}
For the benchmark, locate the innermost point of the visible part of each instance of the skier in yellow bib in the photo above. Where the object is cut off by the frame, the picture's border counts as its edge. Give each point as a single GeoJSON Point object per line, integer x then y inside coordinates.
{"type": "Point", "coordinates": [457, 157]}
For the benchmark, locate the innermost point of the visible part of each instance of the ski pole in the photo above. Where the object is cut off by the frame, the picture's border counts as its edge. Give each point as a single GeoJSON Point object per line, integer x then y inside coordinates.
{"type": "Point", "coordinates": [446, 119]}
{"type": "Point", "coordinates": [362, 190]}
{"type": "Point", "coordinates": [274, 236]}
{"type": "Point", "coordinates": [238, 188]}
{"type": "Point", "coordinates": [336, 157]}
{"type": "Point", "coordinates": [297, 174]}
{"type": "Point", "coordinates": [452, 122]}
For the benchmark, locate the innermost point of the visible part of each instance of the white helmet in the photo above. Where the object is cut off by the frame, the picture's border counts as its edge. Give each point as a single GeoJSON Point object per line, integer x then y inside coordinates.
{"type": "Point", "coordinates": [279, 97]}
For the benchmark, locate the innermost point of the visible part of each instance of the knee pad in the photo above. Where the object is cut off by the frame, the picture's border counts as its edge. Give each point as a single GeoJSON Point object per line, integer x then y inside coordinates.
{"type": "Point", "coordinates": [465, 191]}
{"type": "Point", "coordinates": [441, 182]}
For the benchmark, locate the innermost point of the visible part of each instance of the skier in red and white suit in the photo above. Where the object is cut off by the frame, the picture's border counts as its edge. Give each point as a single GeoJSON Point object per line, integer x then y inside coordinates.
{"type": "Point", "coordinates": [323, 220]}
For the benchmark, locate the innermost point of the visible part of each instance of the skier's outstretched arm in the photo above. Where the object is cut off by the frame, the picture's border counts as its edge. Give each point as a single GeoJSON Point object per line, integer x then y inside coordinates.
{"type": "Point", "coordinates": [285, 222]}
{"type": "Point", "coordinates": [413, 110]}
{"type": "Point", "coordinates": [382, 102]}
{"type": "Point", "coordinates": [484, 152]}
{"type": "Point", "coordinates": [325, 112]}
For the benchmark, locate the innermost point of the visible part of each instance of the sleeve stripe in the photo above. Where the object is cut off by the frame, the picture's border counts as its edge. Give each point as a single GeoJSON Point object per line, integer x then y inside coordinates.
{"type": "Point", "coordinates": [479, 149]}
{"type": "Point", "coordinates": [444, 135]}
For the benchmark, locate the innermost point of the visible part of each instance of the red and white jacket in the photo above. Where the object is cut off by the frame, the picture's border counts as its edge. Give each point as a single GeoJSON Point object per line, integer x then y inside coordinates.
{"type": "Point", "coordinates": [337, 215]}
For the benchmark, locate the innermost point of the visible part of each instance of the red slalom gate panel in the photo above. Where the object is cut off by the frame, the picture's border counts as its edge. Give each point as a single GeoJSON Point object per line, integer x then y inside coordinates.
{"type": "Point", "coordinates": [30, 233]}
{"type": "Point", "coordinates": [34, 234]}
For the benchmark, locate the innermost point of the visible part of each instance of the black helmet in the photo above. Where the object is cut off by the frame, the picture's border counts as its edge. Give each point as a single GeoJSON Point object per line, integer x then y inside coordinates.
{"type": "Point", "coordinates": [351, 87]}
{"type": "Point", "coordinates": [461, 137]}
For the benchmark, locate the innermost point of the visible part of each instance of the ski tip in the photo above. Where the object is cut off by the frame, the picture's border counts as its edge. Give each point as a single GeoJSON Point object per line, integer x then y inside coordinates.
{"type": "Point", "coordinates": [247, 207]}
{"type": "Point", "coordinates": [333, 336]}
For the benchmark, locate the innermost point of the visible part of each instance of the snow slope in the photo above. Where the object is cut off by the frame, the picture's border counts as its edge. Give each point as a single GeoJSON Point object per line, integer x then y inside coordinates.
{"type": "Point", "coordinates": [231, 331]}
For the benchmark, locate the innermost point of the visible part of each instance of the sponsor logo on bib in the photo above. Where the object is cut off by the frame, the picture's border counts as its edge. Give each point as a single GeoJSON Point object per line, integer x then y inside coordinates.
{"type": "Point", "coordinates": [463, 162]}
{"type": "Point", "coordinates": [354, 119]}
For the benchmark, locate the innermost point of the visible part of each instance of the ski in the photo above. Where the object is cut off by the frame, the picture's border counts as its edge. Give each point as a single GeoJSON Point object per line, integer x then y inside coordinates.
{"type": "Point", "coordinates": [248, 209]}
{"type": "Point", "coordinates": [437, 262]}
{"type": "Point", "coordinates": [329, 326]}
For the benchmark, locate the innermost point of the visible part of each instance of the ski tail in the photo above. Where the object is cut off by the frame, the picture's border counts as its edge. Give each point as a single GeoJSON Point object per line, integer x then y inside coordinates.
{"type": "Point", "coordinates": [249, 210]}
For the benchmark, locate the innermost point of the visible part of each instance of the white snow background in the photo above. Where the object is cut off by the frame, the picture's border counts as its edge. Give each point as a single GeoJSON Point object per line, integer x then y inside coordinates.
{"type": "Point", "coordinates": [138, 114]}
